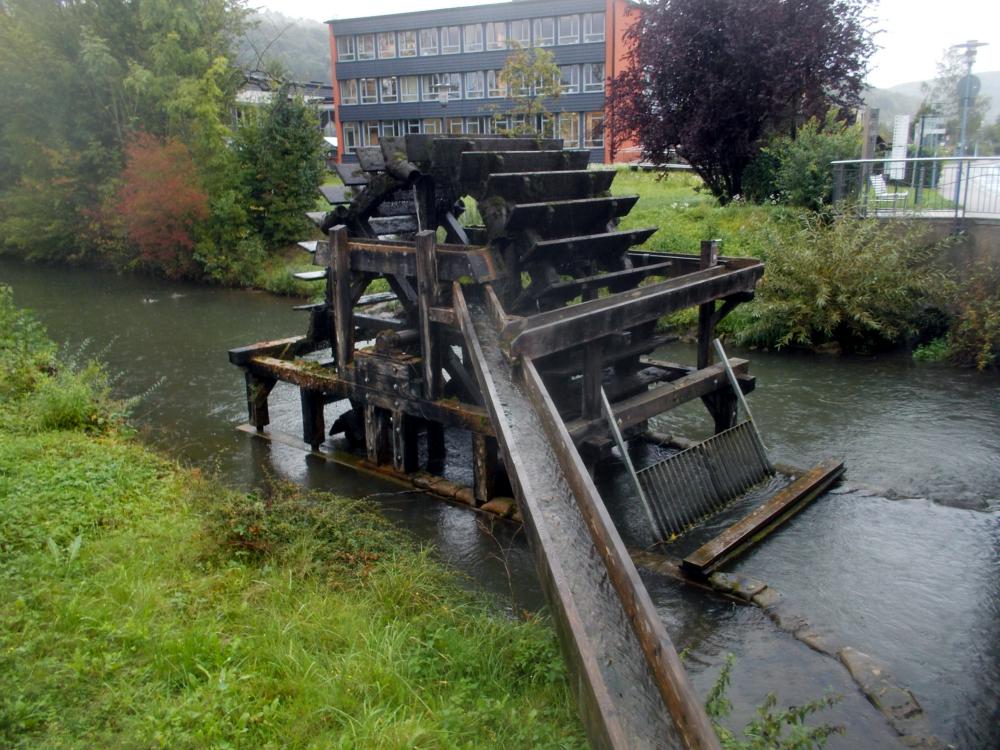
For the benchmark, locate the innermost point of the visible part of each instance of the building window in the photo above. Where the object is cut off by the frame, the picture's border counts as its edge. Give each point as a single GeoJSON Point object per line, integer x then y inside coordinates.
{"type": "Point", "coordinates": [454, 125]}
{"type": "Point", "coordinates": [545, 32]}
{"type": "Point", "coordinates": [428, 42]}
{"type": "Point", "coordinates": [435, 83]}
{"type": "Point", "coordinates": [371, 133]}
{"type": "Point", "coordinates": [349, 92]}
{"type": "Point", "coordinates": [593, 130]}
{"type": "Point", "coordinates": [409, 89]}
{"type": "Point", "coordinates": [496, 35]}
{"type": "Point", "coordinates": [432, 126]}
{"type": "Point", "coordinates": [569, 129]}
{"type": "Point", "coordinates": [569, 78]}
{"type": "Point", "coordinates": [472, 126]}
{"type": "Point", "coordinates": [407, 44]}
{"type": "Point", "coordinates": [389, 129]}
{"type": "Point", "coordinates": [413, 126]}
{"type": "Point", "coordinates": [350, 135]}
{"type": "Point", "coordinates": [495, 88]}
{"type": "Point", "coordinates": [388, 90]}
{"type": "Point", "coordinates": [451, 40]}
{"type": "Point", "coordinates": [500, 124]}
{"type": "Point", "coordinates": [387, 45]}
{"type": "Point", "coordinates": [369, 90]}
{"type": "Point", "coordinates": [520, 32]}
{"type": "Point", "coordinates": [346, 49]}
{"type": "Point", "coordinates": [474, 85]}
{"type": "Point", "coordinates": [593, 77]}
{"type": "Point", "coordinates": [569, 29]}
{"type": "Point", "coordinates": [366, 46]}
{"type": "Point", "coordinates": [593, 27]}
{"type": "Point", "coordinates": [473, 38]}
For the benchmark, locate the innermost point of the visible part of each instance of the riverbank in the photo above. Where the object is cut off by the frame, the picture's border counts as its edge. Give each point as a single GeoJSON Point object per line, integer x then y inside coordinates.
{"type": "Point", "coordinates": [147, 605]}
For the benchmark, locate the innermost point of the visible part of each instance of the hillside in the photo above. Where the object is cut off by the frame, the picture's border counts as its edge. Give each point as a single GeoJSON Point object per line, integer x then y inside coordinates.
{"type": "Point", "coordinates": [990, 88]}
{"type": "Point", "coordinates": [299, 45]}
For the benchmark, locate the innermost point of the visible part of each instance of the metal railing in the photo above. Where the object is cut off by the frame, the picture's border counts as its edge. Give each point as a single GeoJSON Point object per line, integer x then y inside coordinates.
{"type": "Point", "coordinates": [929, 187]}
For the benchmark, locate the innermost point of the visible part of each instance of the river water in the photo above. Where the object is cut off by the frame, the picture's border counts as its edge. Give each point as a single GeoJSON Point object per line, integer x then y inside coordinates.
{"type": "Point", "coordinates": [901, 562]}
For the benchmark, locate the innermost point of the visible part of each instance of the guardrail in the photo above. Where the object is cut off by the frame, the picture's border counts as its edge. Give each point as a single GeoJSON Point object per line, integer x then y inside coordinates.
{"type": "Point", "coordinates": [926, 187]}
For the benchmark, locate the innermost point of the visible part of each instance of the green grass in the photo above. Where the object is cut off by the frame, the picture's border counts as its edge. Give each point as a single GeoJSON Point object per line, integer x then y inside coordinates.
{"type": "Point", "coordinates": [142, 605]}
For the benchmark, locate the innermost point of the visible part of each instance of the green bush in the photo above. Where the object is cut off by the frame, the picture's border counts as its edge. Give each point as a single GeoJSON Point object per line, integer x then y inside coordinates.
{"type": "Point", "coordinates": [858, 282]}
{"type": "Point", "coordinates": [797, 170]}
{"type": "Point", "coordinates": [25, 353]}
{"type": "Point", "coordinates": [974, 337]}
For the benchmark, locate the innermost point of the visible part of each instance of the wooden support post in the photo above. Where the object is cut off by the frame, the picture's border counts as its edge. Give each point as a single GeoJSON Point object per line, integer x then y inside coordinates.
{"type": "Point", "coordinates": [313, 425]}
{"type": "Point", "coordinates": [706, 312]}
{"type": "Point", "coordinates": [484, 467]}
{"type": "Point", "coordinates": [427, 291]}
{"type": "Point", "coordinates": [404, 442]}
{"type": "Point", "coordinates": [343, 307]}
{"type": "Point", "coordinates": [258, 389]}
{"type": "Point", "coordinates": [593, 375]}
{"type": "Point", "coordinates": [377, 438]}
{"type": "Point", "coordinates": [436, 450]}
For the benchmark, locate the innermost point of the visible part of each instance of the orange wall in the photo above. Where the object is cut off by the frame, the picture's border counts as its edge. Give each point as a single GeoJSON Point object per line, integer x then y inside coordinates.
{"type": "Point", "coordinates": [619, 17]}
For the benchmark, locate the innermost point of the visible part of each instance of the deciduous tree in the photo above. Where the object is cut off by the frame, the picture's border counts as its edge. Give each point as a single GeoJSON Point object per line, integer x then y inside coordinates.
{"type": "Point", "coordinates": [717, 77]}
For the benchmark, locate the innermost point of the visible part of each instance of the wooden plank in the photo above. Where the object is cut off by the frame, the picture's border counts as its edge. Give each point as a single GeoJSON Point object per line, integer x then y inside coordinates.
{"type": "Point", "coordinates": [351, 174]}
{"type": "Point", "coordinates": [309, 246]}
{"type": "Point", "coordinates": [484, 468]}
{"type": "Point", "coordinates": [316, 217]}
{"type": "Point", "coordinates": [336, 194]}
{"type": "Point", "coordinates": [683, 703]}
{"type": "Point", "coordinates": [577, 216]}
{"type": "Point", "coordinates": [280, 348]}
{"type": "Point", "coordinates": [258, 389]}
{"type": "Point", "coordinates": [764, 519]}
{"type": "Point", "coordinates": [454, 262]}
{"type": "Point", "coordinates": [377, 437]}
{"type": "Point", "coordinates": [564, 291]}
{"type": "Point", "coordinates": [310, 275]}
{"type": "Point", "coordinates": [370, 158]}
{"type": "Point", "coordinates": [343, 308]}
{"type": "Point", "coordinates": [476, 166]}
{"type": "Point", "coordinates": [427, 291]}
{"type": "Point", "coordinates": [557, 330]}
{"type": "Point", "coordinates": [706, 312]}
{"type": "Point", "coordinates": [569, 249]}
{"type": "Point", "coordinates": [532, 187]}
{"type": "Point", "coordinates": [393, 224]}
{"type": "Point", "coordinates": [404, 442]}
{"type": "Point", "coordinates": [632, 411]}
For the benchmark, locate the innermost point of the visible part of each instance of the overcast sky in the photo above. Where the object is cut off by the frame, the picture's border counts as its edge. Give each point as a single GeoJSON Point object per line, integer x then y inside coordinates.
{"type": "Point", "coordinates": [915, 32]}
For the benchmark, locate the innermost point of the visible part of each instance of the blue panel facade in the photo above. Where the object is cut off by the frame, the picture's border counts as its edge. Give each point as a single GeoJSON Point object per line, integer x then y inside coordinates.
{"type": "Point", "coordinates": [580, 112]}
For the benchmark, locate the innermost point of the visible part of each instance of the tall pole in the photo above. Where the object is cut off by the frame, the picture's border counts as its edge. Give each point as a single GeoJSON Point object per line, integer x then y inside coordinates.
{"type": "Point", "coordinates": [967, 95]}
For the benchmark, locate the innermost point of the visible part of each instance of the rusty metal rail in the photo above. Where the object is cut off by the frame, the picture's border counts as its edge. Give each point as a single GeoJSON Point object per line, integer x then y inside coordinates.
{"type": "Point", "coordinates": [631, 687]}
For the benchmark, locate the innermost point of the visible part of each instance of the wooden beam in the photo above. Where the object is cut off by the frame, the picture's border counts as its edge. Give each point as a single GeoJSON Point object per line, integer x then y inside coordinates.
{"type": "Point", "coordinates": [343, 307]}
{"type": "Point", "coordinates": [632, 411]}
{"type": "Point", "coordinates": [280, 348]}
{"type": "Point", "coordinates": [564, 291]}
{"type": "Point", "coordinates": [557, 330]}
{"type": "Point", "coordinates": [313, 425]}
{"type": "Point", "coordinates": [706, 311]}
{"type": "Point", "coordinates": [327, 380]}
{"type": "Point", "coordinates": [764, 519]}
{"type": "Point", "coordinates": [427, 291]}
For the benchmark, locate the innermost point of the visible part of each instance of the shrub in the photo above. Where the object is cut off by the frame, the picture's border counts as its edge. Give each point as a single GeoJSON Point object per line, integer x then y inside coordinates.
{"type": "Point", "coordinates": [797, 169]}
{"type": "Point", "coordinates": [974, 337]}
{"type": "Point", "coordinates": [25, 353]}
{"type": "Point", "coordinates": [857, 282]}
{"type": "Point", "coordinates": [281, 158]}
{"type": "Point", "coordinates": [161, 202]}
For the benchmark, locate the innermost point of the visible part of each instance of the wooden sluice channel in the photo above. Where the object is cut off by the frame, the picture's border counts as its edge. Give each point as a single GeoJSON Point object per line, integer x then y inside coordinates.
{"type": "Point", "coordinates": [512, 331]}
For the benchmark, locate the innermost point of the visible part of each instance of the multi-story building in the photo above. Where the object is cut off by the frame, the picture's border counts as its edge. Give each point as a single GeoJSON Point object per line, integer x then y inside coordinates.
{"type": "Point", "coordinates": [437, 71]}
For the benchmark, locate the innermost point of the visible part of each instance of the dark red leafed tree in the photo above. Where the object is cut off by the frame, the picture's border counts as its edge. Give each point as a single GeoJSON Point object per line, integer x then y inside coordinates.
{"type": "Point", "coordinates": [716, 77]}
{"type": "Point", "coordinates": [161, 202]}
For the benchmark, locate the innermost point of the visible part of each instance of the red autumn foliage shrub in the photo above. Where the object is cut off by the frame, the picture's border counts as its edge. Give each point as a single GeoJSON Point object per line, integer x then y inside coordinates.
{"type": "Point", "coordinates": [161, 202]}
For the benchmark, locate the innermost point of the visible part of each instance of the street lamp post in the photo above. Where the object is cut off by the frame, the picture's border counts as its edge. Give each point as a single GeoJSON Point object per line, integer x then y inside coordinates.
{"type": "Point", "coordinates": [968, 88]}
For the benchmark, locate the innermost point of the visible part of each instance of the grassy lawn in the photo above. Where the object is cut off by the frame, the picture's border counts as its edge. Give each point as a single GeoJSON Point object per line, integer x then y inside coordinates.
{"type": "Point", "coordinates": [142, 605]}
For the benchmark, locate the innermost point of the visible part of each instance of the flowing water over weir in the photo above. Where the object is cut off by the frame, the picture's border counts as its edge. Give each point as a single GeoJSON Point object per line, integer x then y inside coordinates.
{"type": "Point", "coordinates": [912, 581]}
